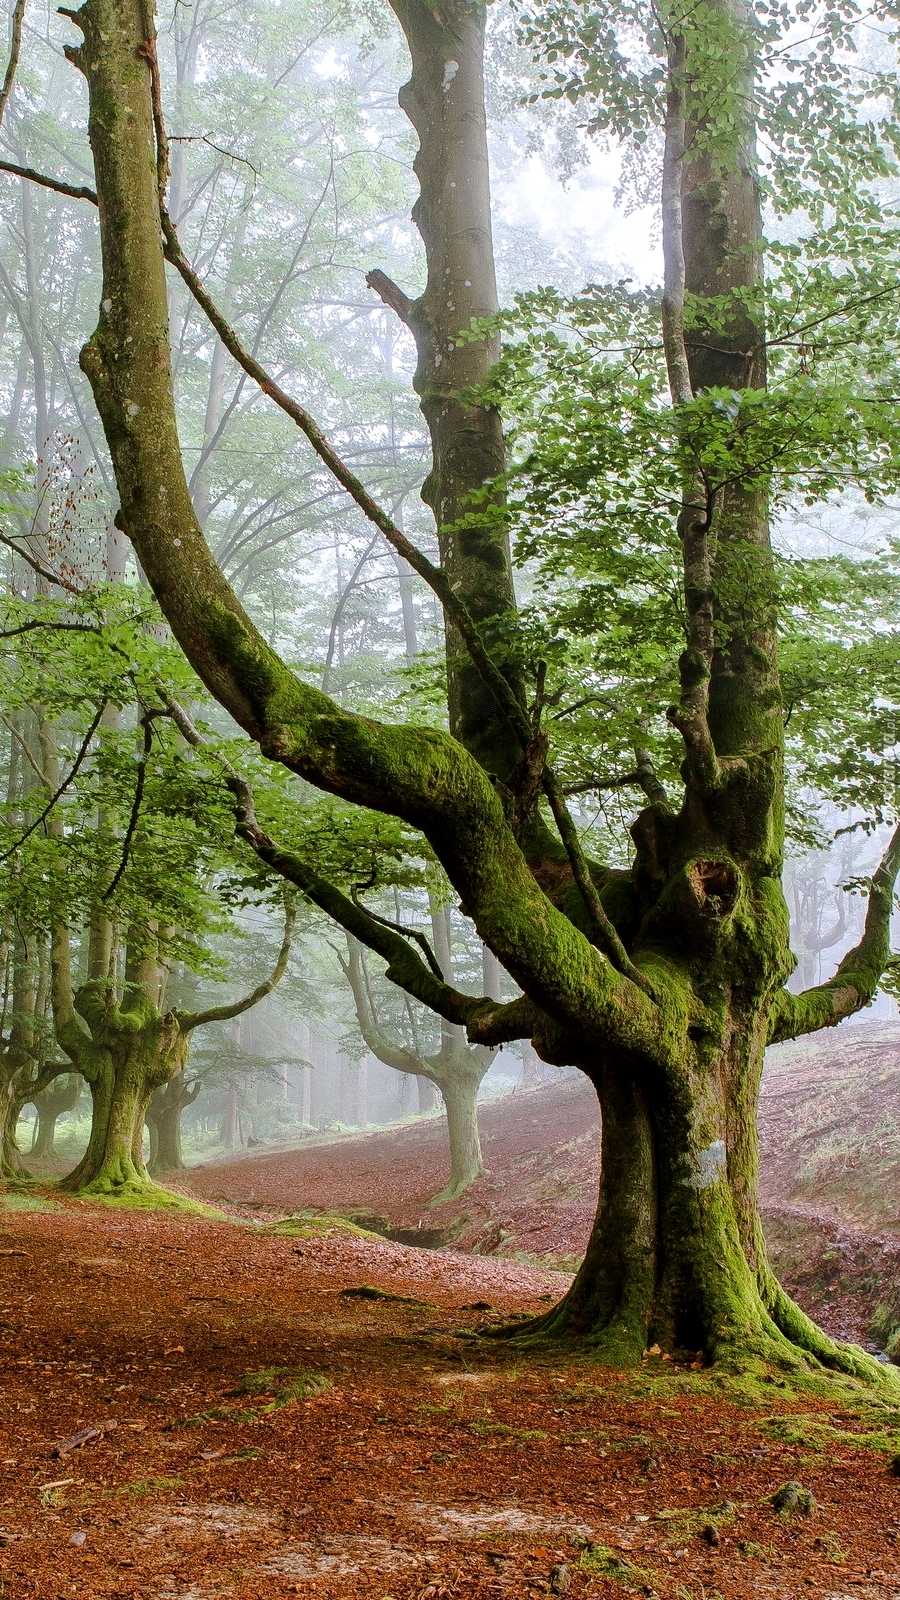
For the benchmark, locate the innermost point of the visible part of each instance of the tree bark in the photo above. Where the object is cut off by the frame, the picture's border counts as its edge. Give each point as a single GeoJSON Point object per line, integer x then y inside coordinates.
{"type": "Point", "coordinates": [676, 1054]}
{"type": "Point", "coordinates": [164, 1123]}
{"type": "Point", "coordinates": [54, 1102]}
{"type": "Point", "coordinates": [444, 101]}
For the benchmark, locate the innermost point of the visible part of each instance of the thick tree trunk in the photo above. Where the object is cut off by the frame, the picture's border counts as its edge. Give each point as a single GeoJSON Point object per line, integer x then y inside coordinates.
{"type": "Point", "coordinates": [229, 1128]}
{"type": "Point", "coordinates": [113, 1161]}
{"type": "Point", "coordinates": [101, 1084]}
{"type": "Point", "coordinates": [10, 1156]}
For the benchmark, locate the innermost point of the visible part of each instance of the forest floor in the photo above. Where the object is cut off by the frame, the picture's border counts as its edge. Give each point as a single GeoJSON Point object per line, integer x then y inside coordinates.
{"type": "Point", "coordinates": [541, 1148]}
{"type": "Point", "coordinates": [252, 1425]}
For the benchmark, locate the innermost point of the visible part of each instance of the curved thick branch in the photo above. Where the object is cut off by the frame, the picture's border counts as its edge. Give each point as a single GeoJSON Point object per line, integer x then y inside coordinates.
{"type": "Point", "coordinates": [405, 967]}
{"type": "Point", "coordinates": [188, 1020]}
{"type": "Point", "coordinates": [855, 983]}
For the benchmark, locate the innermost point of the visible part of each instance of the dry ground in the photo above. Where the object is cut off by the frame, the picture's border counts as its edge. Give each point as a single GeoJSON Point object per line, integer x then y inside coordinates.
{"type": "Point", "coordinates": [435, 1465]}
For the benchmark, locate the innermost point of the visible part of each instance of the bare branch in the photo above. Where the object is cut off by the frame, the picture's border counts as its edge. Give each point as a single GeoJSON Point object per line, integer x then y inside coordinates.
{"type": "Point", "coordinates": [147, 725]}
{"type": "Point", "coordinates": [392, 295]}
{"type": "Point", "coordinates": [15, 45]}
{"type": "Point", "coordinates": [70, 190]}
{"type": "Point", "coordinates": [197, 1019]}
{"type": "Point", "coordinates": [38, 567]}
{"type": "Point", "coordinates": [70, 776]}
{"type": "Point", "coordinates": [29, 756]}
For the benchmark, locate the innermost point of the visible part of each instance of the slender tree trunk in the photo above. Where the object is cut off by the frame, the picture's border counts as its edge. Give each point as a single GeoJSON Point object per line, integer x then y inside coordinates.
{"type": "Point", "coordinates": [229, 1133]}
{"type": "Point", "coordinates": [459, 1091]}
{"type": "Point", "coordinates": [444, 100]}
{"type": "Point", "coordinates": [164, 1122]}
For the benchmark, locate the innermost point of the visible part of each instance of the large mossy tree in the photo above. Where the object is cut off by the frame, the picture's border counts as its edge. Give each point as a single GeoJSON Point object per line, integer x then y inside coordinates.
{"type": "Point", "coordinates": [664, 981]}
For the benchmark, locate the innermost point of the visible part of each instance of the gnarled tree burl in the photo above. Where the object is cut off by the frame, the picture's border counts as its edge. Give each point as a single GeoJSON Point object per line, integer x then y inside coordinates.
{"type": "Point", "coordinates": [666, 996]}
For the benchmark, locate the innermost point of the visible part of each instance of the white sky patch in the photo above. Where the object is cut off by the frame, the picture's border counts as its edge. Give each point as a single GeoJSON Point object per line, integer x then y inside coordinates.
{"type": "Point", "coordinates": [582, 214]}
{"type": "Point", "coordinates": [331, 65]}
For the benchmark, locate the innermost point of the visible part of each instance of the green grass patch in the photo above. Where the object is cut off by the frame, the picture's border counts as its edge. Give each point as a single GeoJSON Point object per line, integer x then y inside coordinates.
{"type": "Point", "coordinates": [275, 1386]}
{"type": "Point", "coordinates": [18, 1201]}
{"type": "Point", "coordinates": [309, 1224]}
{"type": "Point", "coordinates": [503, 1429]}
{"type": "Point", "coordinates": [282, 1386]}
{"type": "Point", "coordinates": [602, 1562]}
{"type": "Point", "coordinates": [142, 1488]}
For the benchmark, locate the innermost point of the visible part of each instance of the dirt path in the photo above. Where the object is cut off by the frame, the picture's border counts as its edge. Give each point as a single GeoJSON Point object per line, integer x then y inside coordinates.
{"type": "Point", "coordinates": [434, 1465]}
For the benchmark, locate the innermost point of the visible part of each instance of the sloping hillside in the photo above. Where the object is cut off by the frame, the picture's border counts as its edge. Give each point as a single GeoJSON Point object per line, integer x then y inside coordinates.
{"type": "Point", "coordinates": [830, 1125]}
{"type": "Point", "coordinates": [830, 1134]}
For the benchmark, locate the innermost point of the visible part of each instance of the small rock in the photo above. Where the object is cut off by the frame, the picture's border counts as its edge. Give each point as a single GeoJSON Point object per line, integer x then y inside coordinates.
{"type": "Point", "coordinates": [793, 1500]}
{"type": "Point", "coordinates": [711, 1534]}
{"type": "Point", "coordinates": [78, 1537]}
{"type": "Point", "coordinates": [560, 1579]}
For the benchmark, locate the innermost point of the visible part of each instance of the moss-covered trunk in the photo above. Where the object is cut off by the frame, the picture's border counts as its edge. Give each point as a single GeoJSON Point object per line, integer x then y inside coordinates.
{"type": "Point", "coordinates": [676, 1258]}
{"type": "Point", "coordinates": [10, 1158]}
{"type": "Point", "coordinates": [116, 1164]}
{"type": "Point", "coordinates": [126, 1049]}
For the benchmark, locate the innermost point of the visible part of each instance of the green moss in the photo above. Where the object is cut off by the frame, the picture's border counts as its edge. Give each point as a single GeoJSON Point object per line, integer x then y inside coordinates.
{"type": "Point", "coordinates": [366, 1291]}
{"type": "Point", "coordinates": [689, 1523]}
{"type": "Point", "coordinates": [151, 1197]}
{"type": "Point", "coordinates": [283, 1386]}
{"type": "Point", "coordinates": [142, 1488]}
{"type": "Point", "coordinates": [309, 1224]}
{"type": "Point", "coordinates": [602, 1562]}
{"type": "Point", "coordinates": [26, 1202]}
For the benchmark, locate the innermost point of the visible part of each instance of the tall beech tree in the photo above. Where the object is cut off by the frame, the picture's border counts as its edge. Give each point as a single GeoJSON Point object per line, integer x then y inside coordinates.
{"type": "Point", "coordinates": [664, 981]}
{"type": "Point", "coordinates": [126, 1044]}
{"type": "Point", "coordinates": [456, 1068]}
